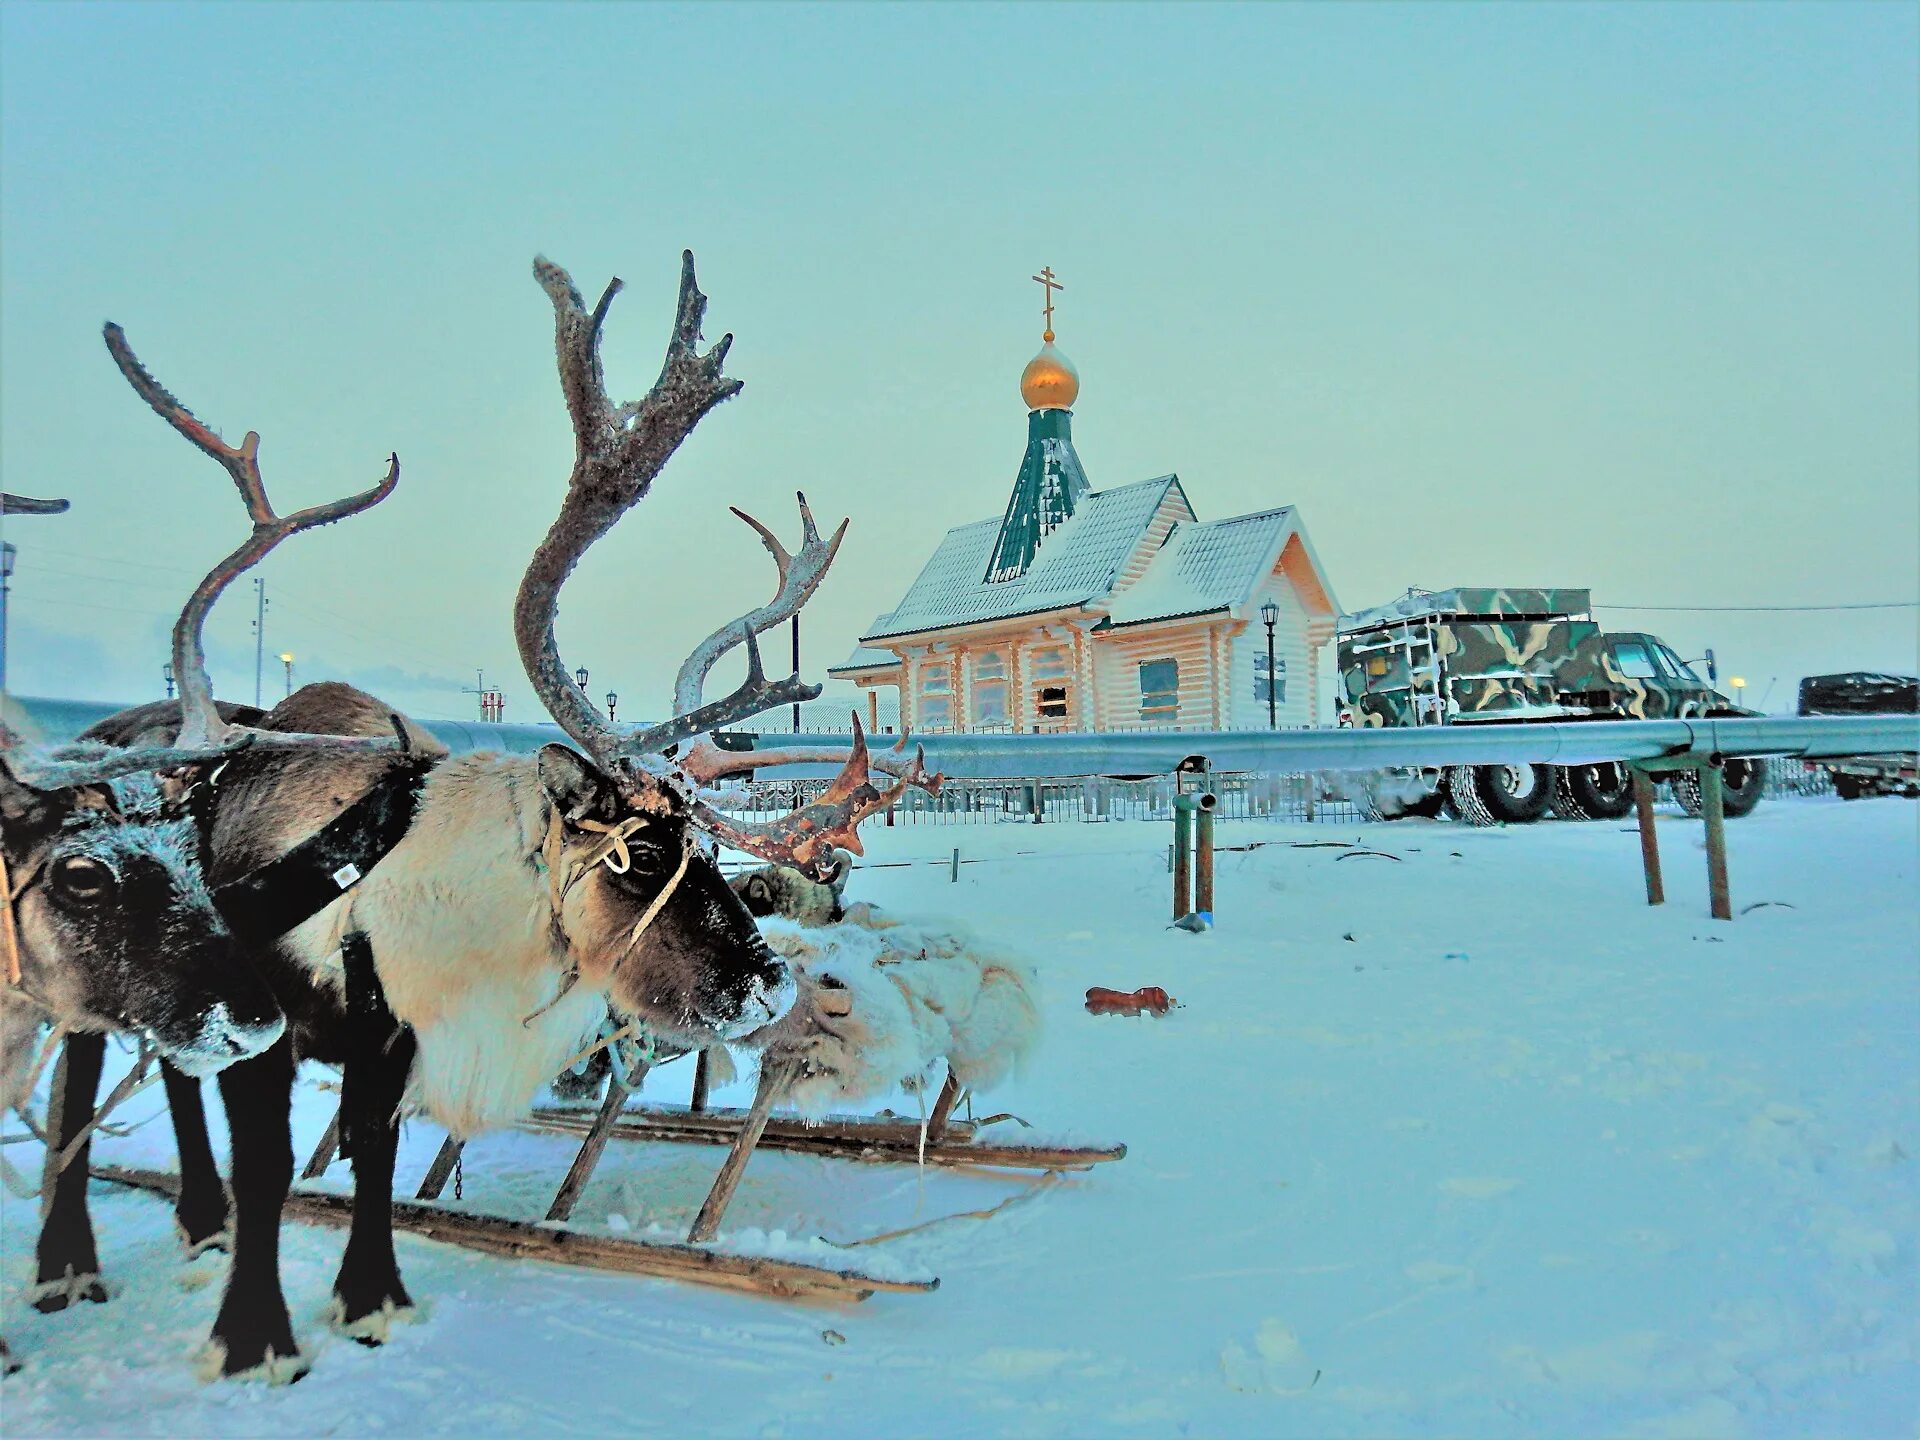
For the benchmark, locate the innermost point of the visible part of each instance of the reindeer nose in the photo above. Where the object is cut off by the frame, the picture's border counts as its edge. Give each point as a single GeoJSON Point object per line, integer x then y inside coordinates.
{"type": "Point", "coordinates": [222, 1040]}
{"type": "Point", "coordinates": [767, 1000]}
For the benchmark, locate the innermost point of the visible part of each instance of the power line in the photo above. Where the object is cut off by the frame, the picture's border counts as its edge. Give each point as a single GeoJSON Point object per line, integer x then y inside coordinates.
{"type": "Point", "coordinates": [1724, 609]}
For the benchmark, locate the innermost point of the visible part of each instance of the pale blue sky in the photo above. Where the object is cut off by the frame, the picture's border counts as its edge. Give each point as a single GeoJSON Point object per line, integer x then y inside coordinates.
{"type": "Point", "coordinates": [1616, 296]}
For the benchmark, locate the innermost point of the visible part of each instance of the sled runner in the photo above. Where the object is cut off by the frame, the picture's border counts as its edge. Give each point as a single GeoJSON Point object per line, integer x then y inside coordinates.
{"type": "Point", "coordinates": [525, 1240]}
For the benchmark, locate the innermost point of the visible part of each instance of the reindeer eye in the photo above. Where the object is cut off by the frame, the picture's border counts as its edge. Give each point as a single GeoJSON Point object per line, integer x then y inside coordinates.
{"type": "Point", "coordinates": [81, 881]}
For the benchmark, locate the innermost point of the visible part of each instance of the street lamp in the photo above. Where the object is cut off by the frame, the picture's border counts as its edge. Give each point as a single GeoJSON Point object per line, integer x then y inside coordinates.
{"type": "Point", "coordinates": [612, 700]}
{"type": "Point", "coordinates": [1270, 615]}
{"type": "Point", "coordinates": [580, 677]}
{"type": "Point", "coordinates": [286, 659]}
{"type": "Point", "coordinates": [166, 674]}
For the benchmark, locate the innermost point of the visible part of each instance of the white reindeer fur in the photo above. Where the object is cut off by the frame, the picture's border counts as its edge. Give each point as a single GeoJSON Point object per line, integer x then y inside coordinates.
{"type": "Point", "coordinates": [922, 992]}
{"type": "Point", "coordinates": [460, 919]}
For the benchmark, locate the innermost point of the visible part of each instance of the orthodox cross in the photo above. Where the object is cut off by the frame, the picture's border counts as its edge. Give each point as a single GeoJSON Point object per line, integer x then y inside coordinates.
{"type": "Point", "coordinates": [1045, 277]}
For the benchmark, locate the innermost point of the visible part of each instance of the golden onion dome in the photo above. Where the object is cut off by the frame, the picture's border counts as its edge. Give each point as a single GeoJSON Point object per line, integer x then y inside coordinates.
{"type": "Point", "coordinates": [1049, 382]}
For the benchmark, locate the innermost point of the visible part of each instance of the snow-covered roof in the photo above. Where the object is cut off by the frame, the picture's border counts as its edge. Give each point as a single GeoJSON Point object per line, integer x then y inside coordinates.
{"type": "Point", "coordinates": [1076, 563]}
{"type": "Point", "coordinates": [865, 657]}
{"type": "Point", "coordinates": [1205, 567]}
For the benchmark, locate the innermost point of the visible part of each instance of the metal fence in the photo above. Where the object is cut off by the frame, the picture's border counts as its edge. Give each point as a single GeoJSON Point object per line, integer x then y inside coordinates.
{"type": "Point", "coordinates": [1294, 798]}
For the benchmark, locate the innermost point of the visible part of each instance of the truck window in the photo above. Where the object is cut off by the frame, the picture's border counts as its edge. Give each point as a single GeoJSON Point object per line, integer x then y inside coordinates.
{"type": "Point", "coordinates": [1634, 661]}
{"type": "Point", "coordinates": [1679, 666]}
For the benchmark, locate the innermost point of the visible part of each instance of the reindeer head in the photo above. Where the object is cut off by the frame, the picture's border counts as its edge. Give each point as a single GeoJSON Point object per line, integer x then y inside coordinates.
{"type": "Point", "coordinates": [638, 900]}
{"type": "Point", "coordinates": [114, 928]}
{"type": "Point", "coordinates": [646, 913]}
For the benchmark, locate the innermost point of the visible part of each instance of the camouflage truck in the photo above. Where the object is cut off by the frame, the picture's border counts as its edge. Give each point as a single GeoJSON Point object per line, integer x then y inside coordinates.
{"type": "Point", "coordinates": [1513, 657]}
{"type": "Point", "coordinates": [1864, 692]}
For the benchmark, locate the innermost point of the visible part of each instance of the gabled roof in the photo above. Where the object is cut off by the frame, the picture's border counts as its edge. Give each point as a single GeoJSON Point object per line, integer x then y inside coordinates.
{"type": "Point", "coordinates": [1206, 566]}
{"type": "Point", "coordinates": [865, 657]}
{"type": "Point", "coordinates": [1077, 563]}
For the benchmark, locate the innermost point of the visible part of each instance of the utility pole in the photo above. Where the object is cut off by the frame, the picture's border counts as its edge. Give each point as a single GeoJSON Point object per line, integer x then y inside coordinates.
{"type": "Point", "coordinates": [259, 636]}
{"type": "Point", "coordinates": [15, 505]}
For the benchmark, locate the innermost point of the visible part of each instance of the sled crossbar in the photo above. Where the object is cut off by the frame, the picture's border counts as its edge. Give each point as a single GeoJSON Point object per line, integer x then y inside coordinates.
{"type": "Point", "coordinates": [875, 1141]}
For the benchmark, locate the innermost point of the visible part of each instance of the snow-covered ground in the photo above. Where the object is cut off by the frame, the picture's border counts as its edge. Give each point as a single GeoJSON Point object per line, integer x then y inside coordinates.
{"type": "Point", "coordinates": [1466, 1141]}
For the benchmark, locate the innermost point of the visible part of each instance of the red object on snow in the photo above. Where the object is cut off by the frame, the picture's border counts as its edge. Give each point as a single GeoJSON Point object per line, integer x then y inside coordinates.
{"type": "Point", "coordinates": [1149, 998]}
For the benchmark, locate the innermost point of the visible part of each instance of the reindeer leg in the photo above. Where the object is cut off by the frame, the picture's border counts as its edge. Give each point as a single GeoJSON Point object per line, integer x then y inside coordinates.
{"type": "Point", "coordinates": [252, 1332]}
{"type": "Point", "coordinates": [201, 1211]}
{"type": "Point", "coordinates": [69, 1268]}
{"type": "Point", "coordinates": [367, 1294]}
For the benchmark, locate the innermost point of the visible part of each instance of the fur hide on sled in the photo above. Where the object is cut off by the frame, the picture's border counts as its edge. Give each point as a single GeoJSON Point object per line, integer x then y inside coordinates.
{"type": "Point", "coordinates": [887, 1001]}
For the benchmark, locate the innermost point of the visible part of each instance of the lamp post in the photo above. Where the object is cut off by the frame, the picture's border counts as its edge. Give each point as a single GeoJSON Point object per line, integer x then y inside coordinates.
{"type": "Point", "coordinates": [580, 678]}
{"type": "Point", "coordinates": [612, 700]}
{"type": "Point", "coordinates": [7, 553]}
{"type": "Point", "coordinates": [166, 675]}
{"type": "Point", "coordinates": [286, 659]}
{"type": "Point", "coordinates": [1270, 615]}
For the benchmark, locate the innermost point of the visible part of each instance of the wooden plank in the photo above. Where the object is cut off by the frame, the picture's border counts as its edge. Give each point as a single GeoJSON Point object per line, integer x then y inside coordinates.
{"type": "Point", "coordinates": [723, 1122]}
{"type": "Point", "coordinates": [773, 1079]}
{"type": "Point", "coordinates": [324, 1152]}
{"type": "Point", "coordinates": [441, 1170]}
{"type": "Point", "coordinates": [581, 1171]}
{"type": "Point", "coordinates": [900, 1148]}
{"type": "Point", "coordinates": [522, 1240]}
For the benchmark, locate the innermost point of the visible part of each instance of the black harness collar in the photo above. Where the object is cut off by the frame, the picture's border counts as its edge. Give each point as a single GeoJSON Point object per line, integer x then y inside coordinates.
{"type": "Point", "coordinates": [266, 903]}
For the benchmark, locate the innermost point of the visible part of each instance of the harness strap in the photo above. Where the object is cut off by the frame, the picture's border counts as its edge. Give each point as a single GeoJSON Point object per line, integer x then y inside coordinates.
{"type": "Point", "coordinates": [267, 902]}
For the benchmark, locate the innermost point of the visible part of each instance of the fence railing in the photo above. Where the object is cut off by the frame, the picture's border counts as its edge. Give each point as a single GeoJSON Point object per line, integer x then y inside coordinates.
{"type": "Point", "coordinates": [1293, 798]}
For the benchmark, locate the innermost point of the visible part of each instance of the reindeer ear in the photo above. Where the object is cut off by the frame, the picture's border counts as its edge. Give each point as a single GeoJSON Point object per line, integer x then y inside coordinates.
{"type": "Point", "coordinates": [573, 785]}
{"type": "Point", "coordinates": [25, 811]}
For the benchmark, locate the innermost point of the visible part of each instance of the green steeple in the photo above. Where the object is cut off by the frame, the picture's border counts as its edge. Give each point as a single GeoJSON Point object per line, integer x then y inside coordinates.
{"type": "Point", "coordinates": [1051, 483]}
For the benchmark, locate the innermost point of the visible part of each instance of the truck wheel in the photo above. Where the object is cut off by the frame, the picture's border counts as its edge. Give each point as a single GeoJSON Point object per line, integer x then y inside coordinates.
{"type": "Point", "coordinates": [1742, 783]}
{"type": "Point", "coordinates": [1592, 792]}
{"type": "Point", "coordinates": [1500, 794]}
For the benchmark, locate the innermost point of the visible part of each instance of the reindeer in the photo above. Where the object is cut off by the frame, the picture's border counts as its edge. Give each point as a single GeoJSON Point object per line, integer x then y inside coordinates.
{"type": "Point", "coordinates": [463, 964]}
{"type": "Point", "coordinates": [108, 924]}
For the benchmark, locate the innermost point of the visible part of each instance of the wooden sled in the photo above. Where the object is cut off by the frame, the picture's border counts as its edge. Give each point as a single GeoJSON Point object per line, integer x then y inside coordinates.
{"type": "Point", "coordinates": [523, 1240]}
{"type": "Point", "coordinates": [946, 1141]}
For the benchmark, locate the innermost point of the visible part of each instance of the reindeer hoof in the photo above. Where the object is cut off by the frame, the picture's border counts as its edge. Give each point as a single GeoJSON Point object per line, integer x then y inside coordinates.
{"type": "Point", "coordinates": [50, 1297]}
{"type": "Point", "coordinates": [220, 1239]}
{"type": "Point", "coordinates": [373, 1325]}
{"type": "Point", "coordinates": [268, 1367]}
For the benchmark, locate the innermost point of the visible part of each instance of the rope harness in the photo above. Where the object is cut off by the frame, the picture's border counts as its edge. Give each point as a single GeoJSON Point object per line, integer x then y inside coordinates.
{"type": "Point", "coordinates": [9, 928]}
{"type": "Point", "coordinates": [609, 850]}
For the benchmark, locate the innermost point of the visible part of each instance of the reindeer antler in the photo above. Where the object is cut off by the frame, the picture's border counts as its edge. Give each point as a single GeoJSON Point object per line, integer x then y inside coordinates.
{"type": "Point", "coordinates": [203, 734]}
{"type": "Point", "coordinates": [800, 576]}
{"type": "Point", "coordinates": [618, 452]}
{"type": "Point", "coordinates": [808, 837]}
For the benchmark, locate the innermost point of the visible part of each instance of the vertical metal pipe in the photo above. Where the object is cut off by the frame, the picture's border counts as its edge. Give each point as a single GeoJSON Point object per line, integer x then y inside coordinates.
{"type": "Point", "coordinates": [796, 668]}
{"type": "Point", "coordinates": [1713, 803]}
{"type": "Point", "coordinates": [1182, 895]}
{"type": "Point", "coordinates": [1203, 863]}
{"type": "Point", "coordinates": [1649, 842]}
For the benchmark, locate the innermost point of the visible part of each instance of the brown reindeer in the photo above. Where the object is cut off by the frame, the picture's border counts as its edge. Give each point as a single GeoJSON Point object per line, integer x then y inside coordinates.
{"type": "Point", "coordinates": [106, 922]}
{"type": "Point", "coordinates": [463, 963]}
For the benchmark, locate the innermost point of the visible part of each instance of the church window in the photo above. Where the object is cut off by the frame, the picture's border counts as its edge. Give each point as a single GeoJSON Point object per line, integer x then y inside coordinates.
{"type": "Point", "coordinates": [1051, 664]}
{"type": "Point", "coordinates": [1160, 690]}
{"type": "Point", "coordinates": [936, 697]}
{"type": "Point", "coordinates": [990, 689]}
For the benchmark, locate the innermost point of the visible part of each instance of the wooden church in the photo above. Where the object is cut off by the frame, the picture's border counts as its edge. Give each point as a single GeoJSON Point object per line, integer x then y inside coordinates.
{"type": "Point", "coordinates": [1085, 609]}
